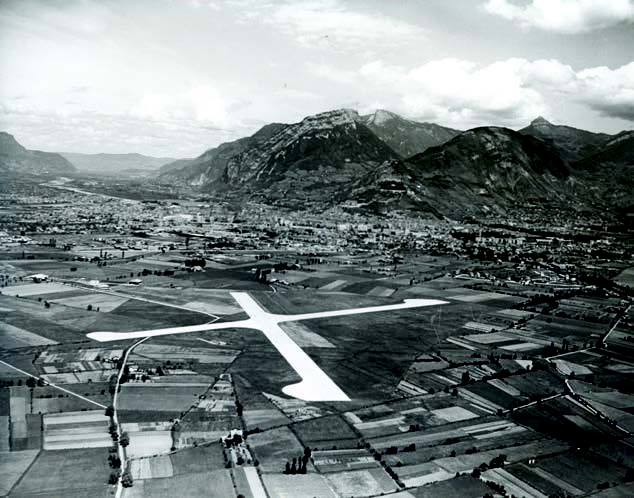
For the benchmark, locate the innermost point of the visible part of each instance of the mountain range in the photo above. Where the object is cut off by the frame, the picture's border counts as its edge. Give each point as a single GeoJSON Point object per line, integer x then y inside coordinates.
{"type": "Point", "coordinates": [383, 162]}
{"type": "Point", "coordinates": [15, 159]}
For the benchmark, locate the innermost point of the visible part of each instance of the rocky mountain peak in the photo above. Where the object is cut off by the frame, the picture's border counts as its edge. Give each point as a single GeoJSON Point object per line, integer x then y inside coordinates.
{"type": "Point", "coordinates": [540, 121]}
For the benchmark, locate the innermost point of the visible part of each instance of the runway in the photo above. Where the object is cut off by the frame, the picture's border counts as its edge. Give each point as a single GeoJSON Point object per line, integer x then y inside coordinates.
{"type": "Point", "coordinates": [315, 384]}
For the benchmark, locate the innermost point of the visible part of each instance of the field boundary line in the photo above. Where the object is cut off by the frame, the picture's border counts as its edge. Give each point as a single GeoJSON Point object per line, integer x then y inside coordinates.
{"type": "Point", "coordinates": [54, 385]}
{"type": "Point", "coordinates": [15, 485]}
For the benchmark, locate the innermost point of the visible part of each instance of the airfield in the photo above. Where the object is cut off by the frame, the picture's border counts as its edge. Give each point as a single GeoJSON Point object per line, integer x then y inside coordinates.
{"type": "Point", "coordinates": [396, 383]}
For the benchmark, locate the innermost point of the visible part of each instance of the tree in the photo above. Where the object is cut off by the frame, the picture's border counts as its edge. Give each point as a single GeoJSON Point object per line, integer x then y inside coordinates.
{"type": "Point", "coordinates": [109, 411]}
{"type": "Point", "coordinates": [124, 440]}
{"type": "Point", "coordinates": [465, 378]}
{"type": "Point", "coordinates": [126, 480]}
{"type": "Point", "coordinates": [89, 308]}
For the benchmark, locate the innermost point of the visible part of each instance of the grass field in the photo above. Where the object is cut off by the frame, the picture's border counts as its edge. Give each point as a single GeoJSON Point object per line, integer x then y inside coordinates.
{"type": "Point", "coordinates": [264, 418]}
{"type": "Point", "coordinates": [297, 486]}
{"type": "Point", "coordinates": [463, 487]}
{"type": "Point", "coordinates": [216, 484]}
{"type": "Point", "coordinates": [326, 433]}
{"type": "Point", "coordinates": [151, 468]}
{"type": "Point", "coordinates": [67, 472]}
{"type": "Point", "coordinates": [149, 443]}
{"type": "Point", "coordinates": [12, 466]}
{"type": "Point", "coordinates": [355, 483]}
{"type": "Point", "coordinates": [159, 398]}
{"type": "Point", "coordinates": [274, 448]}
{"type": "Point", "coordinates": [580, 470]}
{"type": "Point", "coordinates": [201, 459]}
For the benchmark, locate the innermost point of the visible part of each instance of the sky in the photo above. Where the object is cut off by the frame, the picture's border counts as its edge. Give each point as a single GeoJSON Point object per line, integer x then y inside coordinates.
{"type": "Point", "coordinates": [173, 78]}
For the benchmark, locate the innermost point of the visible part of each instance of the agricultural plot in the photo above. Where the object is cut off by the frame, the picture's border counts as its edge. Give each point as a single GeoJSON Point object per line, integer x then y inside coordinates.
{"type": "Point", "coordinates": [41, 289]}
{"type": "Point", "coordinates": [466, 430]}
{"type": "Point", "coordinates": [264, 418]}
{"type": "Point", "coordinates": [298, 486]}
{"type": "Point", "coordinates": [326, 433]}
{"type": "Point", "coordinates": [296, 409]}
{"type": "Point", "coordinates": [548, 418]}
{"type": "Point", "coordinates": [215, 484]}
{"type": "Point", "coordinates": [71, 430]}
{"type": "Point", "coordinates": [274, 448]}
{"type": "Point", "coordinates": [157, 315]}
{"type": "Point", "coordinates": [100, 301]}
{"type": "Point", "coordinates": [151, 468]}
{"type": "Point", "coordinates": [564, 468]}
{"type": "Point", "coordinates": [140, 396]}
{"type": "Point", "coordinates": [358, 483]}
{"type": "Point", "coordinates": [463, 486]}
{"type": "Point", "coordinates": [164, 352]}
{"type": "Point", "coordinates": [149, 443]}
{"type": "Point", "coordinates": [511, 483]}
{"type": "Point", "coordinates": [78, 472]}
{"type": "Point", "coordinates": [338, 460]}
{"type": "Point", "coordinates": [203, 458]}
{"type": "Point", "coordinates": [12, 337]}
{"type": "Point", "coordinates": [12, 466]}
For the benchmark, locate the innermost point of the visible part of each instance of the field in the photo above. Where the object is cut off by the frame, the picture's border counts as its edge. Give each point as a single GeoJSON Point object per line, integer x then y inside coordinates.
{"type": "Point", "coordinates": [204, 458]}
{"type": "Point", "coordinates": [149, 443]}
{"type": "Point", "coordinates": [216, 484]}
{"type": "Point", "coordinates": [326, 433]}
{"type": "Point", "coordinates": [360, 483]}
{"type": "Point", "coordinates": [274, 448]}
{"type": "Point", "coordinates": [12, 466]}
{"type": "Point", "coordinates": [565, 467]}
{"type": "Point", "coordinates": [264, 418]}
{"type": "Point", "coordinates": [67, 473]}
{"type": "Point", "coordinates": [68, 430]}
{"type": "Point", "coordinates": [298, 486]}
{"type": "Point", "coordinates": [151, 468]}
{"type": "Point", "coordinates": [463, 487]}
{"type": "Point", "coordinates": [158, 398]}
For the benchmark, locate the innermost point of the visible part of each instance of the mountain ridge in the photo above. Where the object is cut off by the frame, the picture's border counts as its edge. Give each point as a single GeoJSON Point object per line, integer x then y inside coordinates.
{"type": "Point", "coordinates": [17, 159]}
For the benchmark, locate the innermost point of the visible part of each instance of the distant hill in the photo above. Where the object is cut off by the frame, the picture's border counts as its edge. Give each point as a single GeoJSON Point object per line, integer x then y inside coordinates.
{"type": "Point", "coordinates": [309, 159]}
{"type": "Point", "coordinates": [405, 136]}
{"type": "Point", "coordinates": [209, 166]}
{"type": "Point", "coordinates": [480, 170]}
{"type": "Point", "coordinates": [16, 159]}
{"type": "Point", "coordinates": [364, 163]}
{"type": "Point", "coordinates": [610, 173]}
{"type": "Point", "coordinates": [116, 164]}
{"type": "Point", "coordinates": [572, 143]}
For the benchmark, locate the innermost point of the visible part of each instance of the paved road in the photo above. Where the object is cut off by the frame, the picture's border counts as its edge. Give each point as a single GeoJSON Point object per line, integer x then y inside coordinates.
{"type": "Point", "coordinates": [315, 384]}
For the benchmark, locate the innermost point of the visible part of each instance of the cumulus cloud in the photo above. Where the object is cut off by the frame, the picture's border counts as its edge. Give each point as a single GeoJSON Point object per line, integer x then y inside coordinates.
{"type": "Point", "coordinates": [201, 103]}
{"type": "Point", "coordinates": [511, 92]}
{"type": "Point", "coordinates": [330, 24]}
{"type": "Point", "coordinates": [611, 92]}
{"type": "Point", "coordinates": [564, 16]}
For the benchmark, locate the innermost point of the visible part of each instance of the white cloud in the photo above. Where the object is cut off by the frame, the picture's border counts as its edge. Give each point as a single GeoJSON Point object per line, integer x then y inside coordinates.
{"type": "Point", "coordinates": [611, 92]}
{"type": "Point", "coordinates": [463, 94]}
{"type": "Point", "coordinates": [564, 16]}
{"type": "Point", "coordinates": [330, 24]}
{"type": "Point", "coordinates": [201, 103]}
{"type": "Point", "coordinates": [459, 92]}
